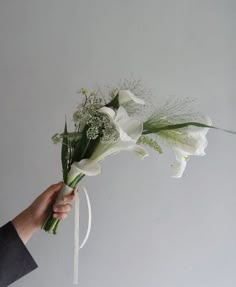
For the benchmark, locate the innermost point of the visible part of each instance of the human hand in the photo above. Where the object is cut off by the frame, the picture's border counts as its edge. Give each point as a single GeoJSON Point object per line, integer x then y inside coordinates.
{"type": "Point", "coordinates": [42, 205]}
{"type": "Point", "coordinates": [32, 218]}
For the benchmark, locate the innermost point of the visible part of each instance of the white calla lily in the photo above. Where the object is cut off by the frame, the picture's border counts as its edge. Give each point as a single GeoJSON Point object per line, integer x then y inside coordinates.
{"type": "Point", "coordinates": [129, 130]}
{"type": "Point", "coordinates": [126, 96]}
{"type": "Point", "coordinates": [85, 166]}
{"type": "Point", "coordinates": [190, 141]}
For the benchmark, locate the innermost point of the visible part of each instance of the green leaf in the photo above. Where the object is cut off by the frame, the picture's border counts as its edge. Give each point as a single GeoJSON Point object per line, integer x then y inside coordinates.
{"type": "Point", "coordinates": [56, 138]}
{"type": "Point", "coordinates": [65, 154]}
{"type": "Point", "coordinates": [114, 103]}
{"type": "Point", "coordinates": [84, 147]}
{"type": "Point", "coordinates": [151, 128]}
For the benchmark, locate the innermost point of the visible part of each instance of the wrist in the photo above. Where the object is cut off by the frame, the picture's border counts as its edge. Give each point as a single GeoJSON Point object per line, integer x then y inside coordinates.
{"type": "Point", "coordinates": [25, 225]}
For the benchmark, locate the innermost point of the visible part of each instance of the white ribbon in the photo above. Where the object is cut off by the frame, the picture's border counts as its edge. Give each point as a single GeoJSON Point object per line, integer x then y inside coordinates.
{"type": "Point", "coordinates": [77, 246]}
{"type": "Point", "coordinates": [76, 239]}
{"type": "Point", "coordinates": [89, 218]}
{"type": "Point", "coordinates": [65, 191]}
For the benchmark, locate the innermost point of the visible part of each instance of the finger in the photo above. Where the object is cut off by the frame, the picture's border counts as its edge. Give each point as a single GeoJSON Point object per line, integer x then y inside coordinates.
{"type": "Point", "coordinates": [60, 215]}
{"type": "Point", "coordinates": [54, 188]}
{"type": "Point", "coordinates": [69, 197]}
{"type": "Point", "coordinates": [62, 208]}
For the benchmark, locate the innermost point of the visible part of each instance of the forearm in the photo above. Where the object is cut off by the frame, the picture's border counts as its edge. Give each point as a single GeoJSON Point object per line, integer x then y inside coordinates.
{"type": "Point", "coordinates": [25, 225]}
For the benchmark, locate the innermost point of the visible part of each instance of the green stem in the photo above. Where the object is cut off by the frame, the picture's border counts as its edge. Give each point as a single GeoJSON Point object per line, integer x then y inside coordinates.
{"type": "Point", "coordinates": [51, 224]}
{"type": "Point", "coordinates": [86, 148]}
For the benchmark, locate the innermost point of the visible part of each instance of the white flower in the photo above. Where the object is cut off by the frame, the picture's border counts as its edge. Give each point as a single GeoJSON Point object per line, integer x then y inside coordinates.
{"type": "Point", "coordinates": [126, 96]}
{"type": "Point", "coordinates": [129, 129]}
{"type": "Point", "coordinates": [85, 166]}
{"type": "Point", "coordinates": [185, 143]}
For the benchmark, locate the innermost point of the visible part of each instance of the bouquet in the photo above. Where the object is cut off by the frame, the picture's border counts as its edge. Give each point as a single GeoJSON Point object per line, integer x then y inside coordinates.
{"type": "Point", "coordinates": [106, 123]}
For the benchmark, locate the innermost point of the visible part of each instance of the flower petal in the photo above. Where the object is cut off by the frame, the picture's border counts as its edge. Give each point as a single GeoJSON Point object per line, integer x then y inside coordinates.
{"type": "Point", "coordinates": [108, 111]}
{"type": "Point", "coordinates": [121, 115]}
{"type": "Point", "coordinates": [85, 166]}
{"type": "Point", "coordinates": [179, 166]}
{"type": "Point", "coordinates": [88, 167]}
{"type": "Point", "coordinates": [126, 96]}
{"type": "Point", "coordinates": [191, 140]}
{"type": "Point", "coordinates": [104, 150]}
{"type": "Point", "coordinates": [130, 129]}
{"type": "Point", "coordinates": [186, 142]}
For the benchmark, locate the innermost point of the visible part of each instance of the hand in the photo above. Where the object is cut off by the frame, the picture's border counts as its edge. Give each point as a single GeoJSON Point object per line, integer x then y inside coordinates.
{"type": "Point", "coordinates": [32, 218]}
{"type": "Point", "coordinates": [40, 208]}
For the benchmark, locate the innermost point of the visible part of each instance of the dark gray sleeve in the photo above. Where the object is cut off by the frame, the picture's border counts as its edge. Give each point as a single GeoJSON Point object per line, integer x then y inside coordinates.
{"type": "Point", "coordinates": [15, 259]}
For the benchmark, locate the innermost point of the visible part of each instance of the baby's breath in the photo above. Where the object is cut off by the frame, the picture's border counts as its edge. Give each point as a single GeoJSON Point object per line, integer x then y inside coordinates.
{"type": "Point", "coordinates": [97, 124]}
{"type": "Point", "coordinates": [109, 135]}
{"type": "Point", "coordinates": [92, 132]}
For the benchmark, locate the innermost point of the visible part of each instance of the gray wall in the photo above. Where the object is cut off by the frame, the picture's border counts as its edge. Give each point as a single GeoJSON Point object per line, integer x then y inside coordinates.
{"type": "Point", "coordinates": [149, 230]}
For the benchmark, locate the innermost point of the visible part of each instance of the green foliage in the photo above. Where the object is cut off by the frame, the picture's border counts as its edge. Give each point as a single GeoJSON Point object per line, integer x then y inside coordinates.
{"type": "Point", "coordinates": [146, 140]}
{"type": "Point", "coordinates": [163, 125]}
{"type": "Point", "coordinates": [152, 127]}
{"type": "Point", "coordinates": [114, 103]}
{"type": "Point", "coordinates": [56, 138]}
{"type": "Point", "coordinates": [65, 154]}
{"type": "Point", "coordinates": [72, 136]}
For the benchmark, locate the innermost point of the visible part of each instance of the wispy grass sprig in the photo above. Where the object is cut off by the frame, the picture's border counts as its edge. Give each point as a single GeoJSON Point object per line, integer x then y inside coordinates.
{"type": "Point", "coordinates": [150, 142]}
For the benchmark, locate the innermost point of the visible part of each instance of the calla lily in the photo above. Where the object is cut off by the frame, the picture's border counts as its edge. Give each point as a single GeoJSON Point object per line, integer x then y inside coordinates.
{"type": "Point", "coordinates": [129, 129]}
{"type": "Point", "coordinates": [185, 143]}
{"type": "Point", "coordinates": [126, 96]}
{"type": "Point", "coordinates": [85, 166]}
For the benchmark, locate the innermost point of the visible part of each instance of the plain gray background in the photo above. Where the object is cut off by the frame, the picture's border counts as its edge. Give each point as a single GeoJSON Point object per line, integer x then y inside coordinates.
{"type": "Point", "coordinates": [149, 230]}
